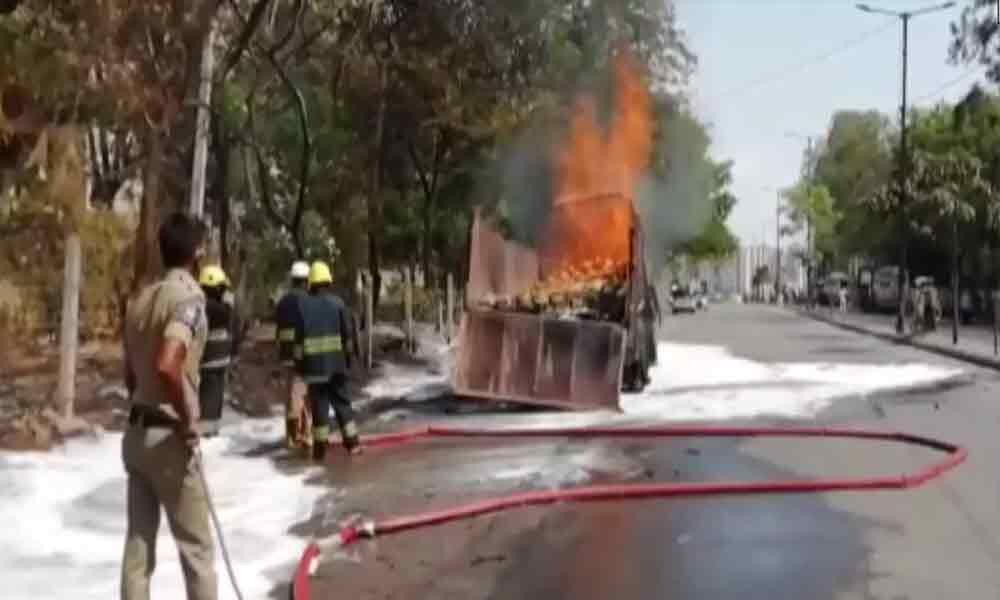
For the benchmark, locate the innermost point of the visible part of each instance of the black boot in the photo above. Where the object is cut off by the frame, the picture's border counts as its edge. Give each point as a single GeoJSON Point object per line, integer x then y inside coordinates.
{"type": "Point", "coordinates": [352, 445]}
{"type": "Point", "coordinates": [291, 433]}
{"type": "Point", "coordinates": [319, 448]}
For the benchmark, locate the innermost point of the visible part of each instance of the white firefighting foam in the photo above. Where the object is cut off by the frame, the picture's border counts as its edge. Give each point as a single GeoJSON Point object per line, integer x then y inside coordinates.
{"type": "Point", "coordinates": [63, 516]}
{"type": "Point", "coordinates": [707, 383]}
{"type": "Point", "coordinates": [63, 511]}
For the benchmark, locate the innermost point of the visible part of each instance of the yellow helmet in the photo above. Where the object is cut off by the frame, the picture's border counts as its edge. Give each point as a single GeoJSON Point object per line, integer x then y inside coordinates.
{"type": "Point", "coordinates": [319, 273]}
{"type": "Point", "coordinates": [213, 276]}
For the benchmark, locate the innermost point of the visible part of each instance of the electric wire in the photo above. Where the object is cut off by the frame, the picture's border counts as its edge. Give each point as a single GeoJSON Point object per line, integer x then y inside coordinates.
{"type": "Point", "coordinates": [938, 91]}
{"type": "Point", "coordinates": [775, 76]}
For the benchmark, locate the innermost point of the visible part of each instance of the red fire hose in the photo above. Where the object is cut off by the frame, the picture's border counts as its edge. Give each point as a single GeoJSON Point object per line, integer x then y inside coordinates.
{"type": "Point", "coordinates": [624, 491]}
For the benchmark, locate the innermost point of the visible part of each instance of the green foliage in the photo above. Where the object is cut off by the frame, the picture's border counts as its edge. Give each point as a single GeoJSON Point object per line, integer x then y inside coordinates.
{"type": "Point", "coordinates": [31, 259]}
{"type": "Point", "coordinates": [714, 242]}
{"type": "Point", "coordinates": [812, 206]}
{"type": "Point", "coordinates": [854, 161]}
{"type": "Point", "coordinates": [974, 37]}
{"type": "Point", "coordinates": [302, 93]}
{"type": "Point", "coordinates": [950, 195]}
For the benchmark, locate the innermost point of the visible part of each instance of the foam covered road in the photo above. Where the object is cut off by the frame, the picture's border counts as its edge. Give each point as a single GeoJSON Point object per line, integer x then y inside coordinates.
{"type": "Point", "coordinates": [745, 364]}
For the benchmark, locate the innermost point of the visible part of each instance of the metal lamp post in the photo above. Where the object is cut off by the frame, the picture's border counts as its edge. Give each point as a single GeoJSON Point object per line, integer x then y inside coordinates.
{"type": "Point", "coordinates": [777, 237]}
{"type": "Point", "coordinates": [808, 173]}
{"type": "Point", "coordinates": [905, 17]}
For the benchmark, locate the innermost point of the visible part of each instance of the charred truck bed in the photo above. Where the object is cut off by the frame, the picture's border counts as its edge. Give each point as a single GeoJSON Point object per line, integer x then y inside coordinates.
{"type": "Point", "coordinates": [564, 324]}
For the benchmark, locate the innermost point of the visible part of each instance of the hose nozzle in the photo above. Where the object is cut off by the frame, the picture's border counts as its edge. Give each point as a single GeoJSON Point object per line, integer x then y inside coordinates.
{"type": "Point", "coordinates": [366, 529]}
{"type": "Point", "coordinates": [354, 530]}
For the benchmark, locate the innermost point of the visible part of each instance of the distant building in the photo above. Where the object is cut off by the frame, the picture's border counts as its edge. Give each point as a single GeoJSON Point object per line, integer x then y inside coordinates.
{"type": "Point", "coordinates": [735, 274]}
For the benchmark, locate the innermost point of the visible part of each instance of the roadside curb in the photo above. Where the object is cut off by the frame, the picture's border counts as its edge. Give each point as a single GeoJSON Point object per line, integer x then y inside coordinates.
{"type": "Point", "coordinates": [969, 357]}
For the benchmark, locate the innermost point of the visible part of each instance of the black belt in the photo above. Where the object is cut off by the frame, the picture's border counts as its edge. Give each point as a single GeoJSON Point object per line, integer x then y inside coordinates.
{"type": "Point", "coordinates": [150, 418]}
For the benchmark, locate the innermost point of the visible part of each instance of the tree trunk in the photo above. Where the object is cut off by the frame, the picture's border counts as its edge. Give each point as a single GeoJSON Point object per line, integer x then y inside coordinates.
{"type": "Point", "coordinates": [70, 326]}
{"type": "Point", "coordinates": [147, 263]}
{"type": "Point", "coordinates": [220, 191]}
{"type": "Point", "coordinates": [6, 186]}
{"type": "Point", "coordinates": [202, 124]}
{"type": "Point", "coordinates": [375, 193]}
{"type": "Point", "coordinates": [425, 249]}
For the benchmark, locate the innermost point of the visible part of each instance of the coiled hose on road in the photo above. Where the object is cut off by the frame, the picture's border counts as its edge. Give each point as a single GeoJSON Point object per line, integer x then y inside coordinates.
{"type": "Point", "coordinates": [351, 533]}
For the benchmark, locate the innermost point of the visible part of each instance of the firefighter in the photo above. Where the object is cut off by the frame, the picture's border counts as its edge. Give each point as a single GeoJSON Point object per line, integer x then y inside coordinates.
{"type": "Point", "coordinates": [218, 350]}
{"type": "Point", "coordinates": [287, 317]}
{"type": "Point", "coordinates": [228, 296]}
{"type": "Point", "coordinates": [322, 347]}
{"type": "Point", "coordinates": [238, 327]}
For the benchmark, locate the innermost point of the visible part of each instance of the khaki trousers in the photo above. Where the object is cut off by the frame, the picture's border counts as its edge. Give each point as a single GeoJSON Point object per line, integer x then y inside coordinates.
{"type": "Point", "coordinates": [296, 408]}
{"type": "Point", "coordinates": [161, 472]}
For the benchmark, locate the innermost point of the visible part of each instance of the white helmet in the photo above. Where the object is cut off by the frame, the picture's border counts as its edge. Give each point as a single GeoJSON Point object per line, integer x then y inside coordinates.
{"type": "Point", "coordinates": [300, 270]}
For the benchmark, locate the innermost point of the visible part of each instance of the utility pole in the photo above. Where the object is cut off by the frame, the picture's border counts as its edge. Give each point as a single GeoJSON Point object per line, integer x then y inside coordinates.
{"type": "Point", "coordinates": [808, 174]}
{"type": "Point", "coordinates": [777, 255]}
{"type": "Point", "coordinates": [202, 128]}
{"type": "Point", "coordinates": [903, 276]}
{"type": "Point", "coordinates": [810, 227]}
{"type": "Point", "coordinates": [955, 296]}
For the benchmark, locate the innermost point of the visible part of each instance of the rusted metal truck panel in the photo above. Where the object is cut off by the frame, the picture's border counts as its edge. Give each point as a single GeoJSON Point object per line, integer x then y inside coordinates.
{"type": "Point", "coordinates": [549, 357]}
{"type": "Point", "coordinates": [538, 359]}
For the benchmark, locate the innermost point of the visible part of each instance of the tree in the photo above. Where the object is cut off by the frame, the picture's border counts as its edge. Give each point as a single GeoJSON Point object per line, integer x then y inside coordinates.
{"type": "Point", "coordinates": [974, 36]}
{"type": "Point", "coordinates": [813, 206]}
{"type": "Point", "coordinates": [715, 242]}
{"type": "Point", "coordinates": [125, 64]}
{"type": "Point", "coordinates": [854, 160]}
{"type": "Point", "coordinates": [371, 128]}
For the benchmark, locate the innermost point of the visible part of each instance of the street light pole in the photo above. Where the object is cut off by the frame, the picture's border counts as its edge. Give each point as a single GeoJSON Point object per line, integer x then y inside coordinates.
{"type": "Point", "coordinates": [903, 277]}
{"type": "Point", "coordinates": [955, 296]}
{"type": "Point", "coordinates": [808, 175]}
{"type": "Point", "coordinates": [777, 254]}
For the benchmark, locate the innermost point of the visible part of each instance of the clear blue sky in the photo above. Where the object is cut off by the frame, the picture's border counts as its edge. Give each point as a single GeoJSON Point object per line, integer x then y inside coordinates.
{"type": "Point", "coordinates": [760, 75]}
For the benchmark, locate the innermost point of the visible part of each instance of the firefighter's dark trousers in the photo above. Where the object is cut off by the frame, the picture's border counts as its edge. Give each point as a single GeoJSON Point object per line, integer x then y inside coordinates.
{"type": "Point", "coordinates": [321, 397]}
{"type": "Point", "coordinates": [211, 395]}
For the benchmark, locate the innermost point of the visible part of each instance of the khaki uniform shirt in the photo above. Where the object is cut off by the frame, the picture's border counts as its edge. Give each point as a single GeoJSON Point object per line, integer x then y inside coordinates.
{"type": "Point", "coordinates": [173, 307]}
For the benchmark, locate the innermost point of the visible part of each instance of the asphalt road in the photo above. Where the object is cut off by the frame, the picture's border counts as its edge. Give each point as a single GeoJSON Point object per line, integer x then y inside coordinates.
{"type": "Point", "coordinates": [939, 541]}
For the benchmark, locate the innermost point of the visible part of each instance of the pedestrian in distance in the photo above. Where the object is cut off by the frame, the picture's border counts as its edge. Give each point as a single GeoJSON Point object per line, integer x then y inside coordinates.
{"type": "Point", "coordinates": [166, 329]}
{"type": "Point", "coordinates": [288, 320]}
{"type": "Point", "coordinates": [324, 344]}
{"type": "Point", "coordinates": [219, 349]}
{"type": "Point", "coordinates": [842, 295]}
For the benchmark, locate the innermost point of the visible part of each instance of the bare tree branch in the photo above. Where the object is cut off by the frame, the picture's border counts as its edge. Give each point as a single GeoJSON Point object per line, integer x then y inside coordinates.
{"type": "Point", "coordinates": [250, 26]}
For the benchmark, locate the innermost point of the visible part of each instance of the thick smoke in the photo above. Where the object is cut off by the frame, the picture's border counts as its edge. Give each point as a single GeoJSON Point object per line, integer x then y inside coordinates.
{"type": "Point", "coordinates": [672, 198]}
{"type": "Point", "coordinates": [525, 177]}
{"type": "Point", "coordinates": [675, 207]}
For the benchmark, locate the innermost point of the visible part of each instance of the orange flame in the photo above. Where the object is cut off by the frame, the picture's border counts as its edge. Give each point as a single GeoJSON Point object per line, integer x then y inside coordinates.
{"type": "Point", "coordinates": [597, 177]}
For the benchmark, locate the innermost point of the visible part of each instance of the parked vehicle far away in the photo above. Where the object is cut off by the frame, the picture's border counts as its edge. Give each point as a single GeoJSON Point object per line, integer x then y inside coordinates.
{"type": "Point", "coordinates": [681, 301]}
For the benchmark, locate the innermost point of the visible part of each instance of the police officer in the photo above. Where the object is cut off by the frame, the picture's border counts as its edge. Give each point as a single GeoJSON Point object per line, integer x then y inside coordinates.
{"type": "Point", "coordinates": [322, 345]}
{"type": "Point", "coordinates": [165, 334]}
{"type": "Point", "coordinates": [287, 319]}
{"type": "Point", "coordinates": [218, 350]}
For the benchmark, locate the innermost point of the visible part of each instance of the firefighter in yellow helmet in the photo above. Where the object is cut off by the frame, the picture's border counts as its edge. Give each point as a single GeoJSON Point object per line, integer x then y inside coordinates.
{"type": "Point", "coordinates": [219, 348]}
{"type": "Point", "coordinates": [323, 344]}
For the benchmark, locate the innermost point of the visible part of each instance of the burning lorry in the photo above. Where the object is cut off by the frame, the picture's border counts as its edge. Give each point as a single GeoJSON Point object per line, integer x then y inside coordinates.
{"type": "Point", "coordinates": [569, 321]}
{"type": "Point", "coordinates": [556, 325]}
